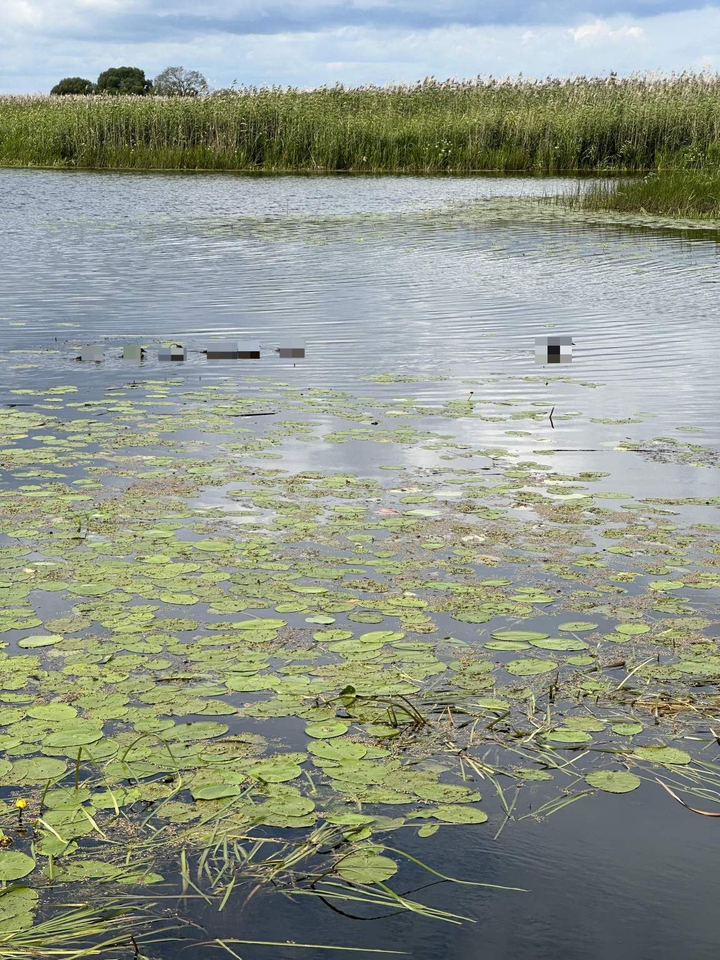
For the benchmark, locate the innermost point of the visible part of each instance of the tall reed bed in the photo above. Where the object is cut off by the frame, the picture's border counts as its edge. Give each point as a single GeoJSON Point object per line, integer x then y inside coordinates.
{"type": "Point", "coordinates": [585, 123]}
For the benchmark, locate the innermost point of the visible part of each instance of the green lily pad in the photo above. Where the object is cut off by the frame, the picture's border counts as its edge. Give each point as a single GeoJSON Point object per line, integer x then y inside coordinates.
{"type": "Point", "coordinates": [451, 813]}
{"type": "Point", "coordinates": [215, 546]}
{"type": "Point", "coordinates": [53, 711]}
{"type": "Point", "coordinates": [327, 730]}
{"type": "Point", "coordinates": [577, 626]}
{"type": "Point", "coordinates": [276, 770]}
{"type": "Point", "coordinates": [40, 640]}
{"type": "Point", "coordinates": [37, 769]}
{"type": "Point", "coordinates": [613, 781]}
{"type": "Point", "coordinates": [564, 735]}
{"type": "Point", "coordinates": [91, 589]}
{"type": "Point", "coordinates": [332, 636]}
{"type": "Point", "coordinates": [381, 636]}
{"type": "Point", "coordinates": [492, 703]}
{"type": "Point", "coordinates": [509, 645]}
{"type": "Point", "coordinates": [240, 684]}
{"type": "Point", "coordinates": [530, 773]}
{"type": "Point", "coordinates": [17, 905]}
{"type": "Point", "coordinates": [75, 734]}
{"type": "Point", "coordinates": [179, 599]}
{"type": "Point", "coordinates": [11, 715]}
{"type": "Point", "coordinates": [627, 729]}
{"type": "Point", "coordinates": [532, 666]}
{"type": "Point", "coordinates": [518, 635]}
{"type": "Point", "coordinates": [349, 819]}
{"type": "Point", "coordinates": [260, 623]}
{"type": "Point", "coordinates": [382, 730]}
{"type": "Point", "coordinates": [662, 754]}
{"type": "Point", "coordinates": [365, 617]}
{"type": "Point", "coordinates": [559, 643]}
{"type": "Point", "coordinates": [337, 750]}
{"type": "Point", "coordinates": [216, 791]}
{"type": "Point", "coordinates": [428, 829]}
{"type": "Point", "coordinates": [201, 730]}
{"type": "Point", "coordinates": [445, 792]}
{"type": "Point", "coordinates": [366, 868]}
{"type": "Point", "coordinates": [14, 865]}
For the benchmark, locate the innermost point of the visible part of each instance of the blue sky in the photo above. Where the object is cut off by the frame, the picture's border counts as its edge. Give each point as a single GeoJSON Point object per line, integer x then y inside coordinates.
{"type": "Point", "coordinates": [313, 42]}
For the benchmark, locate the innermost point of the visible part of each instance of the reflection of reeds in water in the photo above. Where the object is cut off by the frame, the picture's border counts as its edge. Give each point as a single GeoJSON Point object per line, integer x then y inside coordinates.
{"type": "Point", "coordinates": [588, 123]}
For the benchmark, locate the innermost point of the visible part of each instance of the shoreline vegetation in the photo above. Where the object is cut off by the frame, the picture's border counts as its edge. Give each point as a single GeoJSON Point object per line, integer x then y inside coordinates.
{"type": "Point", "coordinates": [666, 127]}
{"type": "Point", "coordinates": [681, 193]}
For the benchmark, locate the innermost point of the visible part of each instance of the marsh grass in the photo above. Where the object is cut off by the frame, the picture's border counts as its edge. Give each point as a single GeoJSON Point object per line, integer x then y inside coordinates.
{"type": "Point", "coordinates": [584, 123]}
{"type": "Point", "coordinates": [675, 193]}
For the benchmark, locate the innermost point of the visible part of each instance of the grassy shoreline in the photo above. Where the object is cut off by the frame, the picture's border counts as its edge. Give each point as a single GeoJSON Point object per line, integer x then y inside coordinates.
{"type": "Point", "coordinates": [676, 193]}
{"type": "Point", "coordinates": [593, 124]}
{"type": "Point", "coordinates": [639, 124]}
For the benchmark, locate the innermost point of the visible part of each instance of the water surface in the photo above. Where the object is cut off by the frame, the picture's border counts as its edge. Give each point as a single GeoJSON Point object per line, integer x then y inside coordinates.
{"type": "Point", "coordinates": [402, 276]}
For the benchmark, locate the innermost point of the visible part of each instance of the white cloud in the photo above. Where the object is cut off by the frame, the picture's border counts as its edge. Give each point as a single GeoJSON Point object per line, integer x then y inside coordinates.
{"type": "Point", "coordinates": [34, 54]}
{"type": "Point", "coordinates": [22, 13]}
{"type": "Point", "coordinates": [602, 32]}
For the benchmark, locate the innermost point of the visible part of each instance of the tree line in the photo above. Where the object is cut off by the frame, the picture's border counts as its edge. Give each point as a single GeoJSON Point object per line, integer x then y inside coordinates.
{"type": "Point", "coordinates": [171, 82]}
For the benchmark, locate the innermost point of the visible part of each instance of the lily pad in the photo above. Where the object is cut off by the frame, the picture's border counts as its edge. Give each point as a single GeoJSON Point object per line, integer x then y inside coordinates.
{"type": "Point", "coordinates": [451, 813]}
{"type": "Point", "coordinates": [564, 735]}
{"type": "Point", "coordinates": [632, 629]}
{"type": "Point", "coordinates": [532, 666]}
{"type": "Point", "coordinates": [332, 636]}
{"type": "Point", "coordinates": [196, 731]}
{"type": "Point", "coordinates": [510, 645]}
{"type": "Point", "coordinates": [37, 769]}
{"type": "Point", "coordinates": [519, 635]}
{"type": "Point", "coordinates": [327, 730]}
{"type": "Point", "coordinates": [276, 770]}
{"type": "Point", "coordinates": [216, 791]}
{"type": "Point", "coordinates": [662, 754]}
{"type": "Point", "coordinates": [14, 865]}
{"type": "Point", "coordinates": [531, 773]}
{"type": "Point", "coordinates": [559, 643]}
{"type": "Point", "coordinates": [40, 640]}
{"type": "Point", "coordinates": [613, 781]}
{"type": "Point", "coordinates": [53, 711]}
{"type": "Point", "coordinates": [366, 868]}
{"type": "Point", "coordinates": [337, 750]}
{"type": "Point", "coordinates": [75, 734]}
{"type": "Point", "coordinates": [627, 729]}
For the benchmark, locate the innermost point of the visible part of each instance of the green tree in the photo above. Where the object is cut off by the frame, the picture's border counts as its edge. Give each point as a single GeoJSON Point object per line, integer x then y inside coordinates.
{"type": "Point", "coordinates": [179, 82]}
{"type": "Point", "coordinates": [123, 80]}
{"type": "Point", "coordinates": [72, 85]}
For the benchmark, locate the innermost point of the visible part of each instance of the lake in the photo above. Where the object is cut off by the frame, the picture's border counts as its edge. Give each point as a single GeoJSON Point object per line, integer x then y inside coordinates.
{"type": "Point", "coordinates": [418, 414]}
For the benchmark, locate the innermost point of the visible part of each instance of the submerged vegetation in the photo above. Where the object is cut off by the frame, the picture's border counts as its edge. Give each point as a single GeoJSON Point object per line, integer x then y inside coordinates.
{"type": "Point", "coordinates": [294, 688]}
{"type": "Point", "coordinates": [597, 124]}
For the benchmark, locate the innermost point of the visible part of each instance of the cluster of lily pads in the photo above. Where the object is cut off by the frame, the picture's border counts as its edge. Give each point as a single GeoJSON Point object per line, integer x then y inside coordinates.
{"type": "Point", "coordinates": [200, 648]}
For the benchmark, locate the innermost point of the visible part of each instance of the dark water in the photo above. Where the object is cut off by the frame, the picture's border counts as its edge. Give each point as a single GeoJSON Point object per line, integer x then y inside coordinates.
{"type": "Point", "coordinates": [398, 274]}
{"type": "Point", "coordinates": [606, 877]}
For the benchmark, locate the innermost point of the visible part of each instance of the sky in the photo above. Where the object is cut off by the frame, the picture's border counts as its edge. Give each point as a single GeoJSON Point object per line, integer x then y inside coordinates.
{"type": "Point", "coordinates": [309, 43]}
